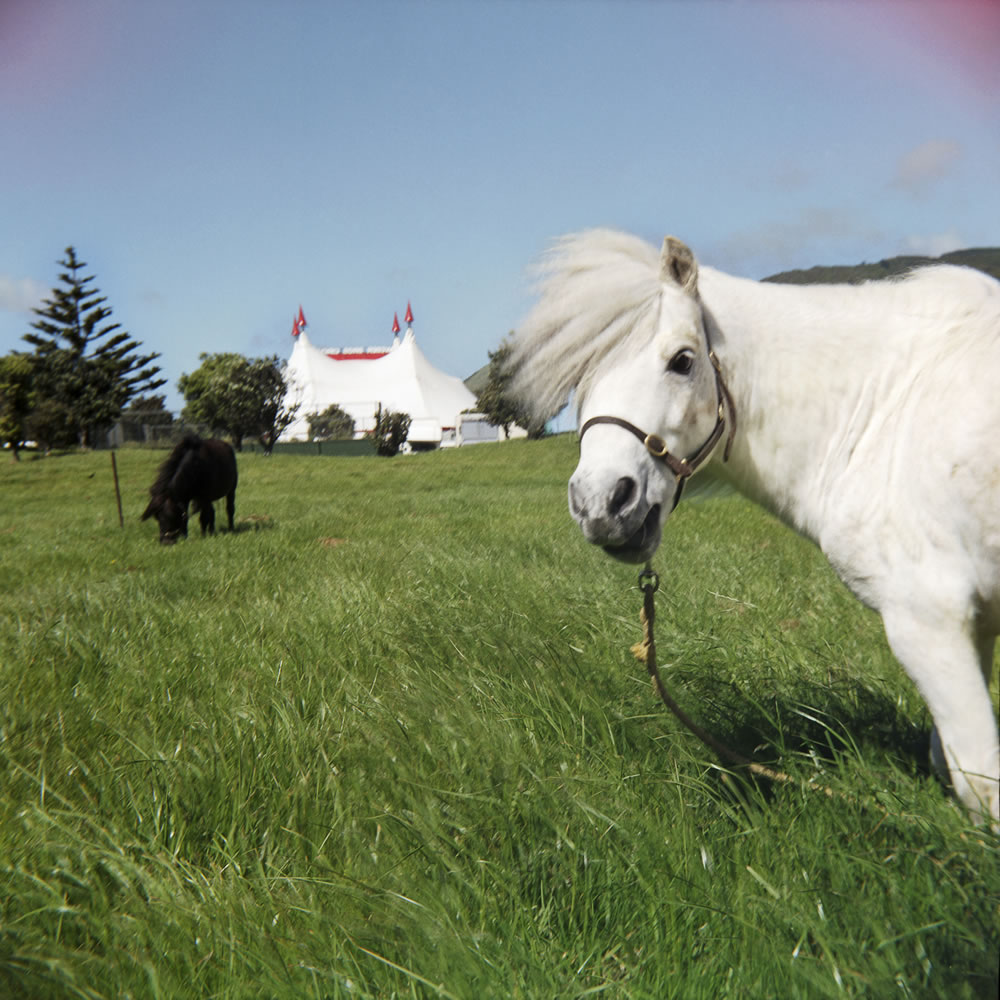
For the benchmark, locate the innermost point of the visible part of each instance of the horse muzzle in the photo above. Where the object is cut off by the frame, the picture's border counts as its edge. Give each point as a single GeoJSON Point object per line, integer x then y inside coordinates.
{"type": "Point", "coordinates": [616, 515]}
{"type": "Point", "coordinates": [643, 542]}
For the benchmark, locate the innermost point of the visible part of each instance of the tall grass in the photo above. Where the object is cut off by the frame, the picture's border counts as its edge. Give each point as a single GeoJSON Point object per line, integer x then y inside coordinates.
{"type": "Point", "coordinates": [387, 740]}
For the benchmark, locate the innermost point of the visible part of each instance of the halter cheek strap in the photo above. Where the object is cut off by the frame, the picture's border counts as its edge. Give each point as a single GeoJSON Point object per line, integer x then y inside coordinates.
{"type": "Point", "coordinates": [683, 468]}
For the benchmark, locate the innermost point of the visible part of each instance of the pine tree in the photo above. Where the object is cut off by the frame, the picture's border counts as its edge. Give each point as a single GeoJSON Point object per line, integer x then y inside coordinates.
{"type": "Point", "coordinates": [87, 369]}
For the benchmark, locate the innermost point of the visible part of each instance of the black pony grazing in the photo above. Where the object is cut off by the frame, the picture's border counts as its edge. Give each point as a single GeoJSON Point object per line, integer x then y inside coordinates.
{"type": "Point", "coordinates": [198, 471]}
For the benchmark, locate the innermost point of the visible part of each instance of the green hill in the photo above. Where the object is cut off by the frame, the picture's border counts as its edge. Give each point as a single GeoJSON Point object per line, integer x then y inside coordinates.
{"type": "Point", "coordinates": [986, 259]}
{"type": "Point", "coordinates": [476, 382]}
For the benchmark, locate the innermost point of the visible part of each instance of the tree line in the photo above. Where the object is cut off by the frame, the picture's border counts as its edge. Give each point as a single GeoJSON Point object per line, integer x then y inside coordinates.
{"type": "Point", "coordinates": [85, 372]}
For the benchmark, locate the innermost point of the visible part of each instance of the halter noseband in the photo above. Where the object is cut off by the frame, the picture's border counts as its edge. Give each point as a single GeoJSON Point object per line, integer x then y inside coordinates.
{"type": "Point", "coordinates": [683, 468]}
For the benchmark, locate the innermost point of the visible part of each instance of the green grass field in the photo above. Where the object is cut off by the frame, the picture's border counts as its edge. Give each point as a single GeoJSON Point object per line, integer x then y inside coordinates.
{"type": "Point", "coordinates": [387, 740]}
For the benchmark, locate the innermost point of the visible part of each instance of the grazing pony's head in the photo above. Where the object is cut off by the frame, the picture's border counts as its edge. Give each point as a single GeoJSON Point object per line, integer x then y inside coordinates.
{"type": "Point", "coordinates": [172, 514]}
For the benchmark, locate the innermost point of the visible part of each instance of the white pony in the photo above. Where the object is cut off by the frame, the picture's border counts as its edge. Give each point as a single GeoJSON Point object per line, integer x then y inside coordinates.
{"type": "Point", "coordinates": [866, 417]}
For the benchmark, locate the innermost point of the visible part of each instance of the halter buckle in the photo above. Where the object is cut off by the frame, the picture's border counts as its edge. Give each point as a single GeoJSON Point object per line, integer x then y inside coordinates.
{"type": "Point", "coordinates": [655, 445]}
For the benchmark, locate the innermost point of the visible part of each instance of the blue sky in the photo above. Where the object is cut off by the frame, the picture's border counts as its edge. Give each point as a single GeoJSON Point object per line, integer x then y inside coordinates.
{"type": "Point", "coordinates": [218, 162]}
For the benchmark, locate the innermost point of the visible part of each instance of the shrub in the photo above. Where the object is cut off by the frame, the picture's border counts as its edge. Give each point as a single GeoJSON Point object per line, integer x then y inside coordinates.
{"type": "Point", "coordinates": [391, 430]}
{"type": "Point", "coordinates": [333, 424]}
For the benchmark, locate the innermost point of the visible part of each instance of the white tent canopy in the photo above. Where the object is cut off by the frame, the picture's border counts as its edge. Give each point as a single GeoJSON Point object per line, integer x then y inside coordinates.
{"type": "Point", "coordinates": [402, 380]}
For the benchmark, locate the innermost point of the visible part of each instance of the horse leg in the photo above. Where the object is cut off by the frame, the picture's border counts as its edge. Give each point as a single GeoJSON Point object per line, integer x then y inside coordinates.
{"type": "Point", "coordinates": [231, 508]}
{"type": "Point", "coordinates": [985, 647]}
{"type": "Point", "coordinates": [948, 665]}
{"type": "Point", "coordinates": [208, 517]}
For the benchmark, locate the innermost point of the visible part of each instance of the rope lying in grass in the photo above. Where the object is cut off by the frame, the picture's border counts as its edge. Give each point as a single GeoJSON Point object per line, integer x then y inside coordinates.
{"type": "Point", "coordinates": [645, 652]}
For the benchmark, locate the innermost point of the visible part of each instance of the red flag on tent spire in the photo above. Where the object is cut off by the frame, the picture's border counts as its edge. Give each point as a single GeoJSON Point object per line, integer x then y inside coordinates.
{"type": "Point", "coordinates": [295, 327]}
{"type": "Point", "coordinates": [301, 320]}
{"type": "Point", "coordinates": [409, 315]}
{"type": "Point", "coordinates": [395, 323]}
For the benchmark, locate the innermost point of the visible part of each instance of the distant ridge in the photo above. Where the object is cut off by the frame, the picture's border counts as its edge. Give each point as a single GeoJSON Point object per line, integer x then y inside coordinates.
{"type": "Point", "coordinates": [986, 259]}
{"type": "Point", "coordinates": [478, 380]}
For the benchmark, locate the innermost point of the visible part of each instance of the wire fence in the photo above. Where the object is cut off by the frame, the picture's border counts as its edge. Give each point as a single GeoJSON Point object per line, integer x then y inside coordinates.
{"type": "Point", "coordinates": [136, 432]}
{"type": "Point", "coordinates": [165, 430]}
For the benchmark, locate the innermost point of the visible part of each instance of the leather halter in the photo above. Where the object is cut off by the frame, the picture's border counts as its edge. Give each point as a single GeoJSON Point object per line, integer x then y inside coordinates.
{"type": "Point", "coordinates": [683, 468]}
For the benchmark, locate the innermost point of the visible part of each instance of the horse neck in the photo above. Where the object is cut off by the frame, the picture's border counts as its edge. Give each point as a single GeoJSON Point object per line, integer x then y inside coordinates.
{"type": "Point", "coordinates": [797, 363]}
{"type": "Point", "coordinates": [185, 477]}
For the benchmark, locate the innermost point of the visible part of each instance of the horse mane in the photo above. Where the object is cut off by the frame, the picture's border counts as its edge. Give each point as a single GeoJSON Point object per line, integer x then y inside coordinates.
{"type": "Point", "coordinates": [598, 290]}
{"type": "Point", "coordinates": [166, 472]}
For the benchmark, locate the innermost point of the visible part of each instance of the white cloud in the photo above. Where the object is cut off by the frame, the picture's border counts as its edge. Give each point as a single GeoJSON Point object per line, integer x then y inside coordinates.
{"type": "Point", "coordinates": [792, 177]}
{"type": "Point", "coordinates": [933, 245]}
{"type": "Point", "coordinates": [816, 236]}
{"type": "Point", "coordinates": [919, 168]}
{"type": "Point", "coordinates": [20, 294]}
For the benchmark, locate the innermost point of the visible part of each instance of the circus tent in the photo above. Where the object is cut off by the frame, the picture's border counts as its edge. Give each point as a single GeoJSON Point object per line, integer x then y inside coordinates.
{"type": "Point", "coordinates": [398, 378]}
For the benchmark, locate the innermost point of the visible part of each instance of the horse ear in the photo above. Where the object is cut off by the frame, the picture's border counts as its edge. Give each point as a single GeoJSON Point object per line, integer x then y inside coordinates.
{"type": "Point", "coordinates": [677, 265]}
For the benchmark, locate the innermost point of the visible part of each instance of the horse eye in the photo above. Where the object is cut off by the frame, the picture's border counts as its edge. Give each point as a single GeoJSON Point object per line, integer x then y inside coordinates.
{"type": "Point", "coordinates": [681, 363]}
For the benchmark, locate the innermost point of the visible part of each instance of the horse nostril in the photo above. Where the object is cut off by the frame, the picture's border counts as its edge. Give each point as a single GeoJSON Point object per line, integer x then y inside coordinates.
{"type": "Point", "coordinates": [624, 491]}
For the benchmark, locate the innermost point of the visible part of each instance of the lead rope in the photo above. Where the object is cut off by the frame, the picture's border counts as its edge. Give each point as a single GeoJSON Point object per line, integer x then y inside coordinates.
{"type": "Point", "coordinates": [645, 652]}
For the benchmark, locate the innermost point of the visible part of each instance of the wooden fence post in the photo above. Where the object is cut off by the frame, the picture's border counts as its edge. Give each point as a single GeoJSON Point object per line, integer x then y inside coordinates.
{"type": "Point", "coordinates": [118, 492]}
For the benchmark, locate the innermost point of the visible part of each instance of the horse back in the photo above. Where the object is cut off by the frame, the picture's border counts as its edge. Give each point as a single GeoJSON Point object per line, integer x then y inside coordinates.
{"type": "Point", "coordinates": [219, 472]}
